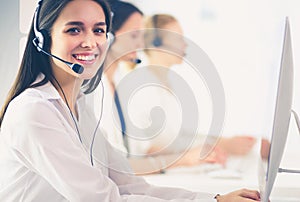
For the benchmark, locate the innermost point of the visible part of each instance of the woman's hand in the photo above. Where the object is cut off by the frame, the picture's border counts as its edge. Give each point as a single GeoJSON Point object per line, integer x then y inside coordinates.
{"type": "Point", "coordinates": [192, 157]}
{"type": "Point", "coordinates": [237, 145]}
{"type": "Point", "coordinates": [217, 155]}
{"type": "Point", "coordinates": [243, 195]}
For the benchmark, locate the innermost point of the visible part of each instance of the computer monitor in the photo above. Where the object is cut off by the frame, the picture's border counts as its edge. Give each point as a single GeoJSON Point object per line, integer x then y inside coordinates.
{"type": "Point", "coordinates": [272, 150]}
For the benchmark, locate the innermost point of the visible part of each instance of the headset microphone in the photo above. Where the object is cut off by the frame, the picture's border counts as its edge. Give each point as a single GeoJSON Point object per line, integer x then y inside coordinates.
{"type": "Point", "coordinates": [75, 67]}
{"type": "Point", "coordinates": [40, 40]}
{"type": "Point", "coordinates": [136, 60]}
{"type": "Point", "coordinates": [111, 37]}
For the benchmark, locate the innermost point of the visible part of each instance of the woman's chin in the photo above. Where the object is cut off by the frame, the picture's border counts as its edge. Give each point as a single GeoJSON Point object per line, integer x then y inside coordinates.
{"type": "Point", "coordinates": [87, 74]}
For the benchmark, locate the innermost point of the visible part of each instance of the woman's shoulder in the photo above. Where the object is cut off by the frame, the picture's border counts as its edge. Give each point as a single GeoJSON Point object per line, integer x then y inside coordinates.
{"type": "Point", "coordinates": [29, 115]}
{"type": "Point", "coordinates": [40, 94]}
{"type": "Point", "coordinates": [30, 96]}
{"type": "Point", "coordinates": [33, 102]}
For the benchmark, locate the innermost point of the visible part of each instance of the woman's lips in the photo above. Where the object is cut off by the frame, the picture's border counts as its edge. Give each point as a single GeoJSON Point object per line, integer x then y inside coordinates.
{"type": "Point", "coordinates": [85, 58]}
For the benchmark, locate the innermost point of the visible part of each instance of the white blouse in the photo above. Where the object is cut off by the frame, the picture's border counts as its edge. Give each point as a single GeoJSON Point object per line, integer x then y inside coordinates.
{"type": "Point", "coordinates": [156, 111]}
{"type": "Point", "coordinates": [110, 119]}
{"type": "Point", "coordinates": [42, 158]}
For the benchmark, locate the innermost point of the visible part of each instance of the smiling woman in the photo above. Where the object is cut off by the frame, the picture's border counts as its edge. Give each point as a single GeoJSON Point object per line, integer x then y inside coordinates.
{"type": "Point", "coordinates": [43, 155]}
{"type": "Point", "coordinates": [79, 41]}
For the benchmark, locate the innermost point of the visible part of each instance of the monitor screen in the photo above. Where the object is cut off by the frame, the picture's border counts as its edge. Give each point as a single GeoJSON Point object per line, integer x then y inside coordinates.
{"type": "Point", "coordinates": [272, 149]}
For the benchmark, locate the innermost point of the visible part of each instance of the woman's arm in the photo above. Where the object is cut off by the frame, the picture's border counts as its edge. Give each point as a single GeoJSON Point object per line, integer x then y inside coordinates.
{"type": "Point", "coordinates": [43, 144]}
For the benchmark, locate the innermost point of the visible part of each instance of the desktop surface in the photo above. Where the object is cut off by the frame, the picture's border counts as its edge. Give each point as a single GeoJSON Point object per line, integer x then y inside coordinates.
{"type": "Point", "coordinates": [286, 187]}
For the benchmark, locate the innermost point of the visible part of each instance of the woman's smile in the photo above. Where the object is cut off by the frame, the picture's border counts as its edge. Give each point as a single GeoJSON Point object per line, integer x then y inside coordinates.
{"type": "Point", "coordinates": [85, 58]}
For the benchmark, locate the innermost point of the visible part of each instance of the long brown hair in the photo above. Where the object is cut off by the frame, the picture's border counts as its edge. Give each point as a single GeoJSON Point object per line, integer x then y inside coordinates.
{"type": "Point", "coordinates": [33, 62]}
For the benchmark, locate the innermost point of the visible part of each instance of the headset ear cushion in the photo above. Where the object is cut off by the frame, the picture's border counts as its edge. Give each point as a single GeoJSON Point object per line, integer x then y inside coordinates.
{"type": "Point", "coordinates": [110, 38]}
{"type": "Point", "coordinates": [157, 41]}
{"type": "Point", "coordinates": [46, 39]}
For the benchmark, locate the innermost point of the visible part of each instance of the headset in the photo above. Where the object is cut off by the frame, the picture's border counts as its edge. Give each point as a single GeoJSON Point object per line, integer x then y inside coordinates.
{"type": "Point", "coordinates": [41, 39]}
{"type": "Point", "coordinates": [111, 37]}
{"type": "Point", "coordinates": [157, 41]}
{"type": "Point", "coordinates": [39, 42]}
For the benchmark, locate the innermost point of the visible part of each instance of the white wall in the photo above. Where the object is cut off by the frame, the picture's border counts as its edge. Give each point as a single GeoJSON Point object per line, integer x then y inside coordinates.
{"type": "Point", "coordinates": [242, 38]}
{"type": "Point", "coordinates": [16, 17]}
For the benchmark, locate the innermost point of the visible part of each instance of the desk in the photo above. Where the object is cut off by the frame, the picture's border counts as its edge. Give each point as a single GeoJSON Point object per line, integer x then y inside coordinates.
{"type": "Point", "coordinates": [286, 187]}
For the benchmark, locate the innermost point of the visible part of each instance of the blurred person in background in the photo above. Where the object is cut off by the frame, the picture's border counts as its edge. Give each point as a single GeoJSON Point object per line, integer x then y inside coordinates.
{"type": "Point", "coordinates": [128, 38]}
{"type": "Point", "coordinates": [165, 47]}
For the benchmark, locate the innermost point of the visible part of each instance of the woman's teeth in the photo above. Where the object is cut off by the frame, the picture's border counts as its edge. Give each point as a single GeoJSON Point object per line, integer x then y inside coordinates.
{"type": "Point", "coordinates": [85, 57]}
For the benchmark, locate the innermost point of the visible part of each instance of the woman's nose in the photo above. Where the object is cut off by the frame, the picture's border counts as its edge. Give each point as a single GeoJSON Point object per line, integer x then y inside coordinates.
{"type": "Point", "coordinates": [89, 41]}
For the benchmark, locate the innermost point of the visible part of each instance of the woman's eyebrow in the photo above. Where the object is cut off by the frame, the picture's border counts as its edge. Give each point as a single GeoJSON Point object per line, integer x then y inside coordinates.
{"type": "Point", "coordinates": [78, 23]}
{"type": "Point", "coordinates": [75, 23]}
{"type": "Point", "coordinates": [100, 24]}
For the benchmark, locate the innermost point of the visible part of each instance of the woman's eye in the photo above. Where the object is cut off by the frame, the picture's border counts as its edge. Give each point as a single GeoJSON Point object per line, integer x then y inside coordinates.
{"type": "Point", "coordinates": [73, 30]}
{"type": "Point", "coordinates": [99, 30]}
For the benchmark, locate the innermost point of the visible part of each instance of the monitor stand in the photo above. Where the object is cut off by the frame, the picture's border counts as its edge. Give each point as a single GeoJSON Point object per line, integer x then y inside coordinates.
{"type": "Point", "coordinates": [297, 120]}
{"type": "Point", "coordinates": [283, 170]}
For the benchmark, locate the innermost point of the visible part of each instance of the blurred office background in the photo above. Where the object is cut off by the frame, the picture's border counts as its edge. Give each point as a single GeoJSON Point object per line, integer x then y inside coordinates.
{"type": "Point", "coordinates": [242, 38]}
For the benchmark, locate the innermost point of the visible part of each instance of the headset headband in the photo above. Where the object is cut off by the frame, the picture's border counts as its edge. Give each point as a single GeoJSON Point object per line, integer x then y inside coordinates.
{"type": "Point", "coordinates": [39, 38]}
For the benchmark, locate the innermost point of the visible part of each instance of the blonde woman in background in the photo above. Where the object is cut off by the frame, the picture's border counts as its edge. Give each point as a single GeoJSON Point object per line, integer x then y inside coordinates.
{"type": "Point", "coordinates": [165, 47]}
{"type": "Point", "coordinates": [127, 27]}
